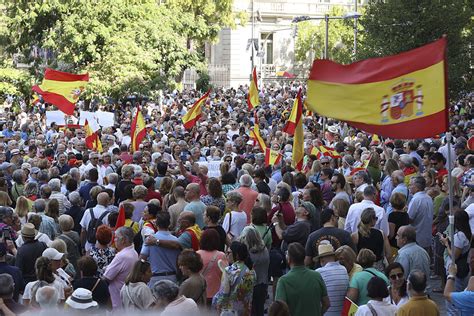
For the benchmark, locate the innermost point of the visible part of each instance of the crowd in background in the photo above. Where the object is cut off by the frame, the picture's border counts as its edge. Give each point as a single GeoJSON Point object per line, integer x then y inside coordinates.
{"type": "Point", "coordinates": [370, 223]}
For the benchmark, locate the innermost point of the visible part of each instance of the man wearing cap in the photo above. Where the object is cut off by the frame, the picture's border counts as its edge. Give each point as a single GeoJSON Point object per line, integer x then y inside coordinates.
{"type": "Point", "coordinates": [59, 274]}
{"type": "Point", "coordinates": [33, 175]}
{"type": "Point", "coordinates": [335, 277]}
{"type": "Point", "coordinates": [27, 254]}
{"type": "Point", "coordinates": [300, 229]}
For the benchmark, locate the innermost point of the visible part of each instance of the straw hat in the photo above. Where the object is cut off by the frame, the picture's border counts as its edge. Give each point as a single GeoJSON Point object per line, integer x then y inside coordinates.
{"type": "Point", "coordinates": [325, 249]}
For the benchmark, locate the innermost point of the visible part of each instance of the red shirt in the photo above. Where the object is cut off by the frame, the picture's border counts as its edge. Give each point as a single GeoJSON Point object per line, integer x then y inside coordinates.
{"type": "Point", "coordinates": [126, 157]}
{"type": "Point", "coordinates": [152, 194]}
{"type": "Point", "coordinates": [288, 213]}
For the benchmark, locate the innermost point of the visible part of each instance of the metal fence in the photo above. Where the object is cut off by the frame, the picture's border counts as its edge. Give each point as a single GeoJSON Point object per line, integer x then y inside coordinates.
{"type": "Point", "coordinates": [219, 74]}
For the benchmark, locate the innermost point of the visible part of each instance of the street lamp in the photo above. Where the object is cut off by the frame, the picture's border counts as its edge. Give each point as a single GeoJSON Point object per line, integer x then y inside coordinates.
{"type": "Point", "coordinates": [326, 18]}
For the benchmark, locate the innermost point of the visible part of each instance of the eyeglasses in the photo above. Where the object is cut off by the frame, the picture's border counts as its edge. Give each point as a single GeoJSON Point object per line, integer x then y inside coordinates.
{"type": "Point", "coordinates": [396, 276]}
{"type": "Point", "coordinates": [228, 160]}
{"type": "Point", "coordinates": [325, 163]}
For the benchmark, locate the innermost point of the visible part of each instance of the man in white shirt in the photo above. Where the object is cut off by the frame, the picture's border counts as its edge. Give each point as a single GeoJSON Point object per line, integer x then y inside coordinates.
{"type": "Point", "coordinates": [353, 215]}
{"type": "Point", "coordinates": [94, 163]}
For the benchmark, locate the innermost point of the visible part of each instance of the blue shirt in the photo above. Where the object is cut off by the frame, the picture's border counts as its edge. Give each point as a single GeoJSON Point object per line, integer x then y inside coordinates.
{"type": "Point", "coordinates": [413, 257]}
{"type": "Point", "coordinates": [337, 282]}
{"type": "Point", "coordinates": [198, 208]}
{"type": "Point", "coordinates": [161, 259]}
{"type": "Point", "coordinates": [400, 188]}
{"type": "Point", "coordinates": [464, 301]}
{"type": "Point", "coordinates": [420, 211]}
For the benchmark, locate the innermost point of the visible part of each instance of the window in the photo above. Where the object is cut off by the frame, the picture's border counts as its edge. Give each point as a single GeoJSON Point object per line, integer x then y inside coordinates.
{"type": "Point", "coordinates": [267, 47]}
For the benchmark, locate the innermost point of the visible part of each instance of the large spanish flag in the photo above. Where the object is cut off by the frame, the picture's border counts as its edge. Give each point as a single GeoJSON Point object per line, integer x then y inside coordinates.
{"type": "Point", "coordinates": [92, 138]}
{"type": "Point", "coordinates": [295, 127]}
{"type": "Point", "coordinates": [252, 98]}
{"type": "Point", "coordinates": [61, 89]}
{"type": "Point", "coordinates": [137, 130]}
{"type": "Point", "coordinates": [194, 114]}
{"type": "Point", "coordinates": [402, 96]}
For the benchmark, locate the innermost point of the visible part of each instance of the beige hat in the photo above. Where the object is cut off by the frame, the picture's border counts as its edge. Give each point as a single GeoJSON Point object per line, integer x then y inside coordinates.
{"type": "Point", "coordinates": [325, 249]}
{"type": "Point", "coordinates": [28, 230]}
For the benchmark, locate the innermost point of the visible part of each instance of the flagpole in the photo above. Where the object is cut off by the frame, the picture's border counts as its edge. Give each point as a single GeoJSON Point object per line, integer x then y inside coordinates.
{"type": "Point", "coordinates": [450, 198]}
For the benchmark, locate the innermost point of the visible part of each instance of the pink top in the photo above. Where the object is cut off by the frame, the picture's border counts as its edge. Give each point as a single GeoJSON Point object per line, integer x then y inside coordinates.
{"type": "Point", "coordinates": [117, 271]}
{"type": "Point", "coordinates": [249, 197]}
{"type": "Point", "coordinates": [211, 271]}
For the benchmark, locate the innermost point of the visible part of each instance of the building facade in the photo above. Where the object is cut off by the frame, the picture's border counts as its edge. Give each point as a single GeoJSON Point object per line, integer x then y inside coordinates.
{"type": "Point", "coordinates": [274, 34]}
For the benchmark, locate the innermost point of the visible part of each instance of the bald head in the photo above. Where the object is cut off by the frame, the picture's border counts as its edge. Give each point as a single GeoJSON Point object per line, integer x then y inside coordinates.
{"type": "Point", "coordinates": [103, 199]}
{"type": "Point", "coordinates": [192, 192]}
{"type": "Point", "coordinates": [186, 219]}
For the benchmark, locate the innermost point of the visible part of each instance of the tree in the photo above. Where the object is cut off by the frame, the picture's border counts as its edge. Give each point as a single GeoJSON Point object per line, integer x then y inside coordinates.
{"type": "Point", "coordinates": [310, 39]}
{"type": "Point", "coordinates": [127, 46]}
{"type": "Point", "coordinates": [394, 26]}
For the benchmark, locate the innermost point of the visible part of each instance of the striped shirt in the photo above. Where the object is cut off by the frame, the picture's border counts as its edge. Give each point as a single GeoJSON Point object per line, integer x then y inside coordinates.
{"type": "Point", "coordinates": [337, 282]}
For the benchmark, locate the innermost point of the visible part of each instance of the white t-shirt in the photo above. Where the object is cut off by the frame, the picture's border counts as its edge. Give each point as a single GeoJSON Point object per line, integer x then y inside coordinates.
{"type": "Point", "coordinates": [86, 218]}
{"type": "Point", "coordinates": [27, 295]}
{"type": "Point", "coordinates": [239, 221]}
{"type": "Point", "coordinates": [470, 211]}
{"type": "Point", "coordinates": [460, 242]}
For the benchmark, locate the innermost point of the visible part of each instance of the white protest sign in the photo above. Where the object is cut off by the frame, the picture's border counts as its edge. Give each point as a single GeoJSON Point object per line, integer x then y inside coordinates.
{"type": "Point", "coordinates": [57, 117]}
{"type": "Point", "coordinates": [213, 168]}
{"type": "Point", "coordinates": [106, 119]}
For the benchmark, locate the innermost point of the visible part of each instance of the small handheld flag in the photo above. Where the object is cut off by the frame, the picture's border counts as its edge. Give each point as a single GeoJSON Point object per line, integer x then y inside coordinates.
{"type": "Point", "coordinates": [194, 114]}
{"type": "Point", "coordinates": [137, 130]}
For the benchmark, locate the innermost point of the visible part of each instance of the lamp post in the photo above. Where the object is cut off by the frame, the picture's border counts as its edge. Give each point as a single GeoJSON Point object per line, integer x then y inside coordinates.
{"type": "Point", "coordinates": [326, 18]}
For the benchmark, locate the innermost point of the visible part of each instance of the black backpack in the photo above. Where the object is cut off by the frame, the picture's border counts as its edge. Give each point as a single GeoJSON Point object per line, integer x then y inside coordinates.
{"type": "Point", "coordinates": [93, 224]}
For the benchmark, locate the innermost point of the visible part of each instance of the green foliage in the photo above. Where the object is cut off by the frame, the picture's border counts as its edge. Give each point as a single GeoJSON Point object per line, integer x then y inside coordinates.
{"type": "Point", "coordinates": [203, 84]}
{"type": "Point", "coordinates": [311, 39]}
{"type": "Point", "coordinates": [127, 46]}
{"type": "Point", "coordinates": [13, 81]}
{"type": "Point", "coordinates": [394, 26]}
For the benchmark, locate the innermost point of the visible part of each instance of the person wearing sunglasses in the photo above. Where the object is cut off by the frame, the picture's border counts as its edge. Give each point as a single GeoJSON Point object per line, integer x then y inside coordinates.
{"type": "Point", "coordinates": [398, 285]}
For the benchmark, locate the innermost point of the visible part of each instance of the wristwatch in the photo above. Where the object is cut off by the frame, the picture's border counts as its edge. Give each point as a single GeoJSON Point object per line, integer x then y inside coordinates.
{"type": "Point", "coordinates": [451, 277]}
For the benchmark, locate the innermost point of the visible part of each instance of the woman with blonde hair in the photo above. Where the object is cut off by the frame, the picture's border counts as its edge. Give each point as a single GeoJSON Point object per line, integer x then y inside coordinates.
{"type": "Point", "coordinates": [347, 257]}
{"type": "Point", "coordinates": [22, 208]}
{"type": "Point", "coordinates": [315, 174]}
{"type": "Point", "coordinates": [341, 208]}
{"type": "Point", "coordinates": [5, 199]}
{"type": "Point", "coordinates": [371, 238]}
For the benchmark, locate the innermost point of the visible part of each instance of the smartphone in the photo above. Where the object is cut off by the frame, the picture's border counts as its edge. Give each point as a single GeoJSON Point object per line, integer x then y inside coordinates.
{"type": "Point", "coordinates": [6, 234]}
{"type": "Point", "coordinates": [183, 157]}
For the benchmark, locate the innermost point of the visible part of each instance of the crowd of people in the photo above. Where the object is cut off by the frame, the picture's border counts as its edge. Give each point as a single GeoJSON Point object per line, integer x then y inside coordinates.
{"type": "Point", "coordinates": [369, 224]}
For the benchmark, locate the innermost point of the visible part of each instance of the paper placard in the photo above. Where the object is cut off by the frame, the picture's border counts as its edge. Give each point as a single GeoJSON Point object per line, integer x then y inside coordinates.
{"type": "Point", "coordinates": [57, 117]}
{"type": "Point", "coordinates": [213, 168]}
{"type": "Point", "coordinates": [106, 119]}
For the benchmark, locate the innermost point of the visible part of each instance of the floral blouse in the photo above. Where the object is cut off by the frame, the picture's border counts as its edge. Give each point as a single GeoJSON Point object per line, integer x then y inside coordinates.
{"type": "Point", "coordinates": [103, 257]}
{"type": "Point", "coordinates": [236, 290]}
{"type": "Point", "coordinates": [219, 202]}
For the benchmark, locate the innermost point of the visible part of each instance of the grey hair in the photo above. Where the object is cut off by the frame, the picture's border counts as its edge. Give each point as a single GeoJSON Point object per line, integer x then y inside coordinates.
{"type": "Point", "coordinates": [125, 233]}
{"type": "Point", "coordinates": [75, 198]}
{"type": "Point", "coordinates": [31, 188]}
{"type": "Point", "coordinates": [165, 290]}
{"type": "Point", "coordinates": [7, 285]}
{"type": "Point", "coordinates": [419, 181]}
{"type": "Point", "coordinates": [370, 191]}
{"type": "Point", "coordinates": [47, 296]}
{"type": "Point", "coordinates": [74, 171]}
{"type": "Point", "coordinates": [245, 181]}
{"type": "Point", "coordinates": [66, 222]}
{"type": "Point", "coordinates": [264, 201]}
{"type": "Point", "coordinates": [364, 175]}
{"type": "Point", "coordinates": [406, 159]}
{"type": "Point", "coordinates": [39, 205]}
{"type": "Point", "coordinates": [253, 241]}
{"type": "Point", "coordinates": [234, 196]}
{"type": "Point", "coordinates": [17, 176]}
{"type": "Point", "coordinates": [113, 178]}
{"type": "Point", "coordinates": [54, 184]}
{"type": "Point", "coordinates": [399, 175]}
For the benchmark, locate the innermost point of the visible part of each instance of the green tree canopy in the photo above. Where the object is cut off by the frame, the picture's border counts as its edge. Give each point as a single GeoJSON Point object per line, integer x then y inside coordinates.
{"type": "Point", "coordinates": [127, 46]}
{"type": "Point", "coordinates": [394, 26]}
{"type": "Point", "coordinates": [310, 39]}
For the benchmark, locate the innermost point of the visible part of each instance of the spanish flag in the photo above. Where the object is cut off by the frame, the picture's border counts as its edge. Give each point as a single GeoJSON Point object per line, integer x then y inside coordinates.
{"type": "Point", "coordinates": [194, 114]}
{"type": "Point", "coordinates": [137, 130]}
{"type": "Point", "coordinates": [62, 89]}
{"type": "Point", "coordinates": [316, 152]}
{"type": "Point", "coordinates": [402, 96]}
{"type": "Point", "coordinates": [255, 135]}
{"type": "Point", "coordinates": [272, 157]}
{"type": "Point", "coordinates": [349, 308]}
{"type": "Point", "coordinates": [92, 138]}
{"type": "Point", "coordinates": [35, 99]}
{"type": "Point", "coordinates": [295, 127]}
{"type": "Point", "coordinates": [252, 97]}
{"type": "Point", "coordinates": [330, 152]}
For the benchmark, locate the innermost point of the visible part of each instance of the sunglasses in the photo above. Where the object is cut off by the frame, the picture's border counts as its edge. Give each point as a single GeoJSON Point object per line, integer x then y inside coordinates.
{"type": "Point", "coordinates": [325, 163]}
{"type": "Point", "coordinates": [396, 276]}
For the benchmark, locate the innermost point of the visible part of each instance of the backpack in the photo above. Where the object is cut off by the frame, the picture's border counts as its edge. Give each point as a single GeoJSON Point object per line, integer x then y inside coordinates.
{"type": "Point", "coordinates": [93, 224]}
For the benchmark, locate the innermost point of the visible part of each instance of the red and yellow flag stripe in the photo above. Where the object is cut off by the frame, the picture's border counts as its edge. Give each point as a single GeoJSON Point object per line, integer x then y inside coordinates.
{"type": "Point", "coordinates": [252, 98]}
{"type": "Point", "coordinates": [401, 96]}
{"type": "Point", "coordinates": [272, 157]}
{"type": "Point", "coordinates": [62, 89]}
{"type": "Point", "coordinates": [195, 112]}
{"type": "Point", "coordinates": [137, 130]}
